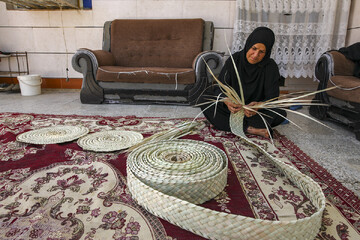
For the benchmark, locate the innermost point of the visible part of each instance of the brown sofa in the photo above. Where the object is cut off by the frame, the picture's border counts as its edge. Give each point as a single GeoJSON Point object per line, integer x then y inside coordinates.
{"type": "Point", "coordinates": [149, 61]}
{"type": "Point", "coordinates": [334, 69]}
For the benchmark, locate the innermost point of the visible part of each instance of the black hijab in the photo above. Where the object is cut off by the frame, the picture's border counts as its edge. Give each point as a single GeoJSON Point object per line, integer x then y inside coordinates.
{"type": "Point", "coordinates": [262, 35]}
{"type": "Point", "coordinates": [260, 81]}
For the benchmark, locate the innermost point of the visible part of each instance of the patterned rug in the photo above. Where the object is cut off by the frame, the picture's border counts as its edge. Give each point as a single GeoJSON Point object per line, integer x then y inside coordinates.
{"type": "Point", "coordinates": [59, 191]}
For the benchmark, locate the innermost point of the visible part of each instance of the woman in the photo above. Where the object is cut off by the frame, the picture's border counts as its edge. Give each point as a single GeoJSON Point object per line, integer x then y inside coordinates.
{"type": "Point", "coordinates": [259, 76]}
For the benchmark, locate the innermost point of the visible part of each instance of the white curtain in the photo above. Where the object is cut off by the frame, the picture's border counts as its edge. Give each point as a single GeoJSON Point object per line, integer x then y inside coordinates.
{"type": "Point", "coordinates": [304, 29]}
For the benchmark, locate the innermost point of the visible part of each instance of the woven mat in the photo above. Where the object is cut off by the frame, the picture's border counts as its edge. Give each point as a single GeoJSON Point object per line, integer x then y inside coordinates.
{"type": "Point", "coordinates": [193, 171]}
{"type": "Point", "coordinates": [53, 134]}
{"type": "Point", "coordinates": [56, 190]}
{"type": "Point", "coordinates": [109, 141]}
{"type": "Point", "coordinates": [174, 199]}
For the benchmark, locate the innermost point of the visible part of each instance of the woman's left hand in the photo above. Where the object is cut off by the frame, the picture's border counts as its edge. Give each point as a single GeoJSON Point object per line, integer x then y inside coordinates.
{"type": "Point", "coordinates": [252, 112]}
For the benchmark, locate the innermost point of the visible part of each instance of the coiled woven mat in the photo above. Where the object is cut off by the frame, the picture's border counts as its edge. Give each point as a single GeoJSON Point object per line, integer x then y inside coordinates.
{"type": "Point", "coordinates": [53, 135]}
{"type": "Point", "coordinates": [163, 194]}
{"type": "Point", "coordinates": [109, 141]}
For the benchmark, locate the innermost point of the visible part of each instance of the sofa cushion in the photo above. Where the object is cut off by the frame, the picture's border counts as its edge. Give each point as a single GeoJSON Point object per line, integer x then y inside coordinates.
{"type": "Point", "coordinates": [345, 82]}
{"type": "Point", "coordinates": [146, 75]}
{"type": "Point", "coordinates": [172, 43]}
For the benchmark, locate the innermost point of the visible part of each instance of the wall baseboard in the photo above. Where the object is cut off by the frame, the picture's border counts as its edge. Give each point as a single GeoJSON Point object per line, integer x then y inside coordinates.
{"type": "Point", "coordinates": [73, 83]}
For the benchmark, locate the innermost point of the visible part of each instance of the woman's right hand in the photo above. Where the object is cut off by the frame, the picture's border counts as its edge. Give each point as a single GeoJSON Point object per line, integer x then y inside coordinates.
{"type": "Point", "coordinates": [233, 107]}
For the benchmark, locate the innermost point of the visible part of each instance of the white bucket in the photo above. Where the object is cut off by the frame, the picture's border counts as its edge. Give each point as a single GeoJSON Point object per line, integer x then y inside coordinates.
{"type": "Point", "coordinates": [30, 85]}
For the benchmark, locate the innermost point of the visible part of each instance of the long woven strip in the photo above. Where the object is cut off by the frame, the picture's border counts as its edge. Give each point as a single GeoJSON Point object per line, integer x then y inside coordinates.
{"type": "Point", "coordinates": [219, 225]}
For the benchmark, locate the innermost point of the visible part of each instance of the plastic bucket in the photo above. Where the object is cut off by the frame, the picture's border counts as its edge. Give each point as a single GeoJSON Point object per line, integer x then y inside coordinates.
{"type": "Point", "coordinates": [30, 85]}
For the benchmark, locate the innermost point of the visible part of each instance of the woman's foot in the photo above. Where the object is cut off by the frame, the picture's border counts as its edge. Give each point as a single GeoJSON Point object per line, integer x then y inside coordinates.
{"type": "Point", "coordinates": [258, 131]}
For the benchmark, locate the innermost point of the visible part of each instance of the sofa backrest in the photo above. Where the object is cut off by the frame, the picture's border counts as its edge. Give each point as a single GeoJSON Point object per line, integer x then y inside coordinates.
{"type": "Point", "coordinates": [156, 42]}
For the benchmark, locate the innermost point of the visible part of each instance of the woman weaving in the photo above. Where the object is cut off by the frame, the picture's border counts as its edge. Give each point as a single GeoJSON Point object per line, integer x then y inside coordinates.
{"type": "Point", "coordinates": [259, 76]}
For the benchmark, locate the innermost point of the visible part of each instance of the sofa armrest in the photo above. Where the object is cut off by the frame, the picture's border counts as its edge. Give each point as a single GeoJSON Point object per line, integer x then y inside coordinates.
{"type": "Point", "coordinates": [341, 65]}
{"type": "Point", "coordinates": [87, 62]}
{"type": "Point", "coordinates": [96, 58]}
{"type": "Point", "coordinates": [333, 63]}
{"type": "Point", "coordinates": [211, 58]}
{"type": "Point", "coordinates": [84, 61]}
{"type": "Point", "coordinates": [203, 77]}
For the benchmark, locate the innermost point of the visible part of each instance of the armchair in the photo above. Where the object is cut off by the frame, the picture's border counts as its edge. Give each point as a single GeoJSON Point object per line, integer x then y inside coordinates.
{"type": "Point", "coordinates": [149, 61]}
{"type": "Point", "coordinates": [334, 69]}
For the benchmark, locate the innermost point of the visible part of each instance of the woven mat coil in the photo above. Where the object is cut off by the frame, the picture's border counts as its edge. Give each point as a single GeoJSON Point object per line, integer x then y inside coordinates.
{"type": "Point", "coordinates": [187, 169]}
{"type": "Point", "coordinates": [53, 135]}
{"type": "Point", "coordinates": [219, 225]}
{"type": "Point", "coordinates": [109, 141]}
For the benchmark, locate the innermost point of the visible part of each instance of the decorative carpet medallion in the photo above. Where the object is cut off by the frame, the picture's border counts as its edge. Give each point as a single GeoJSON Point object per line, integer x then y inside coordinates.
{"type": "Point", "coordinates": [69, 202]}
{"type": "Point", "coordinates": [53, 135]}
{"type": "Point", "coordinates": [16, 120]}
{"type": "Point", "coordinates": [109, 141]}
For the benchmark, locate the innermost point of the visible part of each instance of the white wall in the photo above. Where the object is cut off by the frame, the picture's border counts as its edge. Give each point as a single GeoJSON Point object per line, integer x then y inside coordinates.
{"type": "Point", "coordinates": [353, 32]}
{"type": "Point", "coordinates": [52, 37]}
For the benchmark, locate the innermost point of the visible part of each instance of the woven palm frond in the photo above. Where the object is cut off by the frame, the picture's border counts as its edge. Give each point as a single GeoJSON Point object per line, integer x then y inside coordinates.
{"type": "Point", "coordinates": [178, 131]}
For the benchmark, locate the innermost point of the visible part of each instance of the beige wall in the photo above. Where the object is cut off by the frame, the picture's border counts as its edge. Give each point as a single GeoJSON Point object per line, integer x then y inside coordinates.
{"type": "Point", "coordinates": [51, 46]}
{"type": "Point", "coordinates": [353, 33]}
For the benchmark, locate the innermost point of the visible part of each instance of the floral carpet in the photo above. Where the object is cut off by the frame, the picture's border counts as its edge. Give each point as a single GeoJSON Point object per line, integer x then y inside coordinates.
{"type": "Point", "coordinates": [59, 191]}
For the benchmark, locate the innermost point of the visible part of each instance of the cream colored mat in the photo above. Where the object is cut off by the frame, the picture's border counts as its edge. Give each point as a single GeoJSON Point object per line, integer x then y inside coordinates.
{"type": "Point", "coordinates": [108, 141]}
{"type": "Point", "coordinates": [53, 135]}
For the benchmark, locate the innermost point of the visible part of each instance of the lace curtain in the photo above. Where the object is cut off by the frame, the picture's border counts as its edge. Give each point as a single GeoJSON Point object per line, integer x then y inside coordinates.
{"type": "Point", "coordinates": [304, 29]}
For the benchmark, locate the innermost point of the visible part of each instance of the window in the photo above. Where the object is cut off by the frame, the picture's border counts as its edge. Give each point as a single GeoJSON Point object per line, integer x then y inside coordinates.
{"type": "Point", "coordinates": [47, 5]}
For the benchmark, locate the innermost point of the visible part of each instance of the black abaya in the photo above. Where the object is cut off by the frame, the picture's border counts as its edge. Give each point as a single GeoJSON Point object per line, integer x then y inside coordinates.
{"type": "Point", "coordinates": [260, 82]}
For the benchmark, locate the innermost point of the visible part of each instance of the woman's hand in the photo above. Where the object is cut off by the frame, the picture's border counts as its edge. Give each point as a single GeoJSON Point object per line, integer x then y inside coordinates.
{"type": "Point", "coordinates": [233, 107]}
{"type": "Point", "coordinates": [252, 112]}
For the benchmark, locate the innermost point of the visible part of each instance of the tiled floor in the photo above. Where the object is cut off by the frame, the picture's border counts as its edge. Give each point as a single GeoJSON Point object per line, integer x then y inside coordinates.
{"type": "Point", "coordinates": [337, 150]}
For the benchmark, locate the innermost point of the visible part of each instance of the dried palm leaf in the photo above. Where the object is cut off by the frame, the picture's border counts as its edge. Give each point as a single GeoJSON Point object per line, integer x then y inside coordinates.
{"type": "Point", "coordinates": [179, 131]}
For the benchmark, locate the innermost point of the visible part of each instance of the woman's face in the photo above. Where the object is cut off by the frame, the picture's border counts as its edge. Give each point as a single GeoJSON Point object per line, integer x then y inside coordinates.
{"type": "Point", "coordinates": [256, 53]}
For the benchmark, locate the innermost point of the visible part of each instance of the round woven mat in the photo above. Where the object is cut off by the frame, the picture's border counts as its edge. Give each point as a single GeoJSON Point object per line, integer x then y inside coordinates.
{"type": "Point", "coordinates": [53, 135]}
{"type": "Point", "coordinates": [187, 169]}
{"type": "Point", "coordinates": [109, 141]}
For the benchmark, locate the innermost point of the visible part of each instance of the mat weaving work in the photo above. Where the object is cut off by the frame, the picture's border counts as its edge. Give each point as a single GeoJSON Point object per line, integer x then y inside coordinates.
{"type": "Point", "coordinates": [60, 191]}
